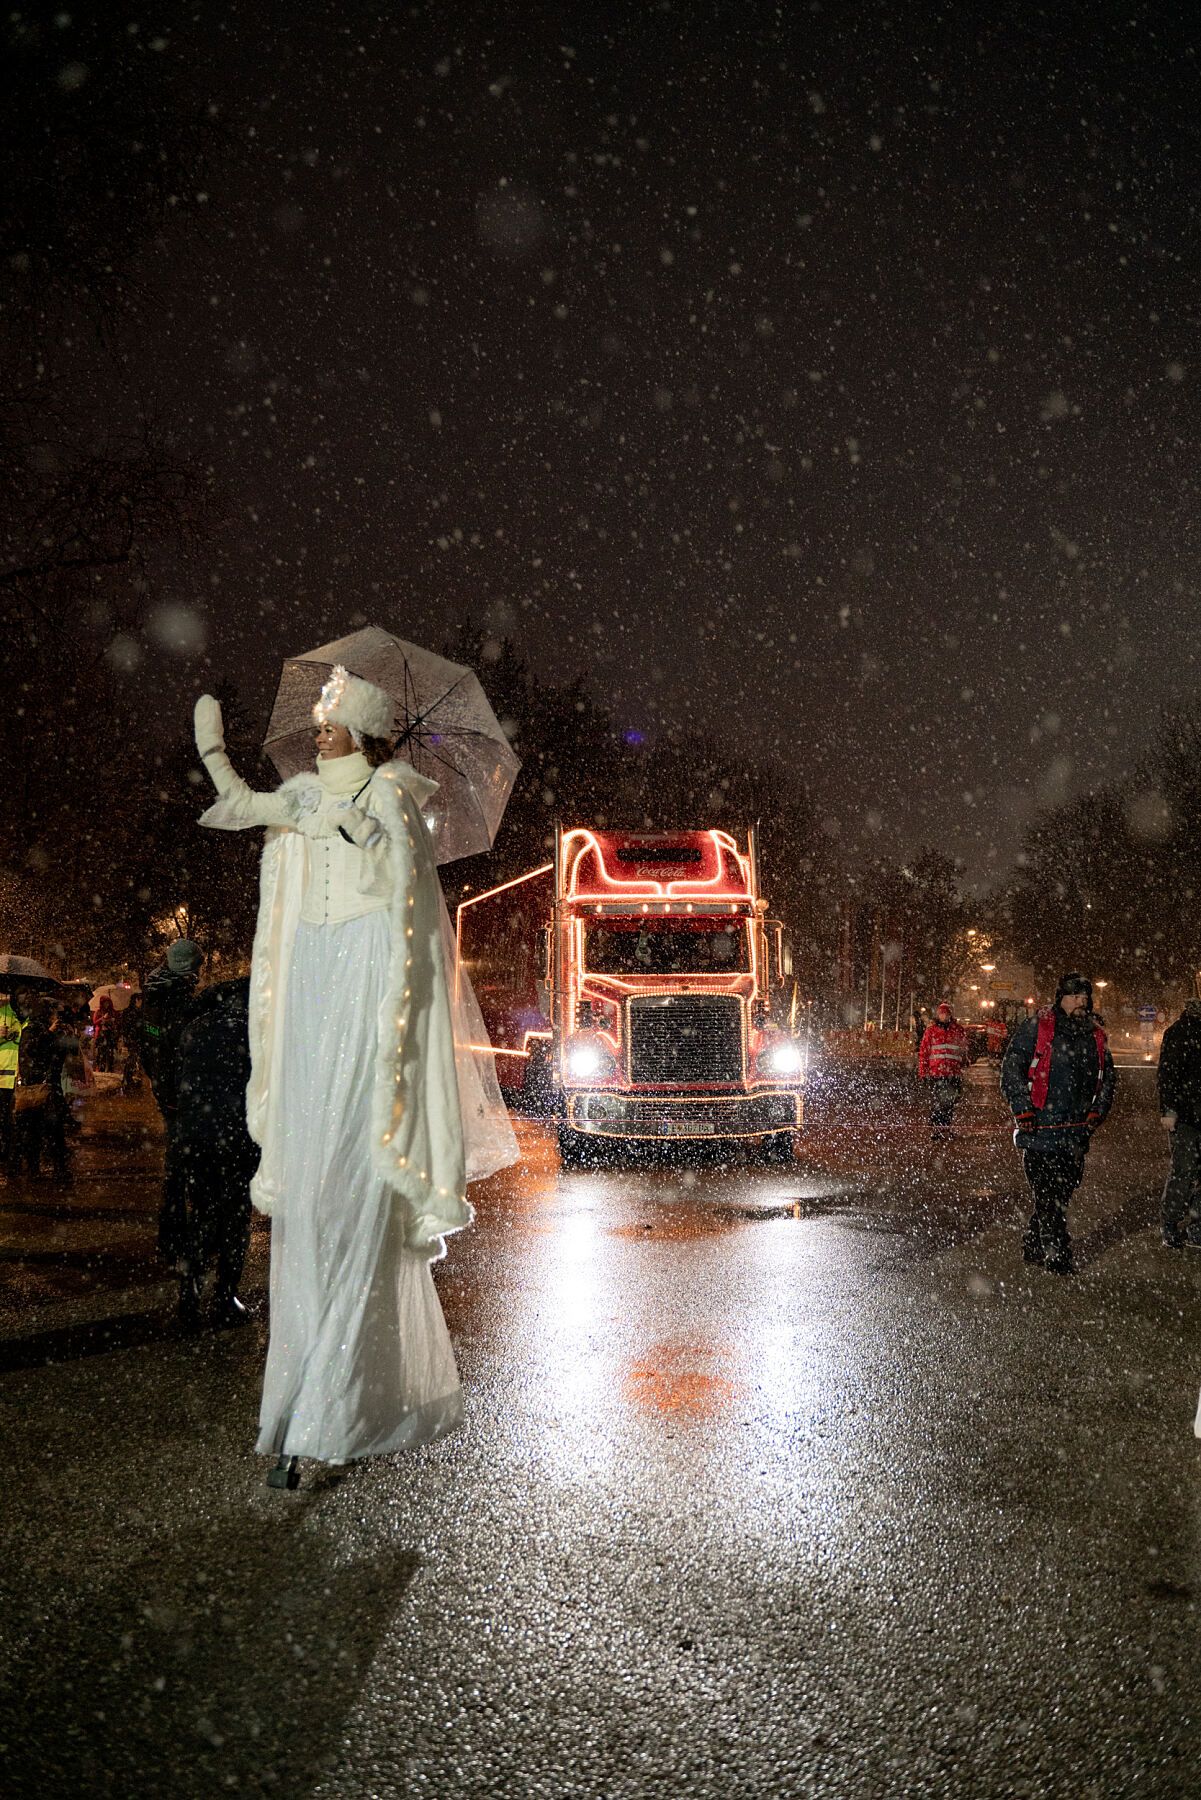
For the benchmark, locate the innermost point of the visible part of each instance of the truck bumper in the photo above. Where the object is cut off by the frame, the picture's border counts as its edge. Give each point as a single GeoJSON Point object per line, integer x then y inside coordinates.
{"type": "Point", "coordinates": [609, 1114]}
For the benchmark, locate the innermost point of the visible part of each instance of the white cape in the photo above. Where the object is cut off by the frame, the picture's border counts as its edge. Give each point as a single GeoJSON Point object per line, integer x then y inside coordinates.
{"type": "Point", "coordinates": [438, 1120]}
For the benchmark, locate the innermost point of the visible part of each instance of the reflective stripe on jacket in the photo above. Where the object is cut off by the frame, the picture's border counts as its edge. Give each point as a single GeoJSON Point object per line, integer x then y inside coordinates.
{"type": "Point", "coordinates": [943, 1051]}
{"type": "Point", "coordinates": [11, 1027]}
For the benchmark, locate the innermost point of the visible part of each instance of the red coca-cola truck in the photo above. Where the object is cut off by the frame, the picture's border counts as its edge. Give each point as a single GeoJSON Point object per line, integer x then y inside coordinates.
{"type": "Point", "coordinates": [635, 987]}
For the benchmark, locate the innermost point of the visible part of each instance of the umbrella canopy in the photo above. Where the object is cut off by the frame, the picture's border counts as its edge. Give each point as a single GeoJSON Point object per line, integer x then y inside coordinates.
{"type": "Point", "coordinates": [444, 727]}
{"type": "Point", "coordinates": [23, 971]}
{"type": "Point", "coordinates": [117, 991]}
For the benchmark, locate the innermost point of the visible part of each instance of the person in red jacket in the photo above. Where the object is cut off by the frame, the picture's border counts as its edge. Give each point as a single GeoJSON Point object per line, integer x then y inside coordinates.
{"type": "Point", "coordinates": [940, 1061]}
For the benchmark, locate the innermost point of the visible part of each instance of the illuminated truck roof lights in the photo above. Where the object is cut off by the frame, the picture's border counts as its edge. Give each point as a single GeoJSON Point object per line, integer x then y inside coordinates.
{"type": "Point", "coordinates": [723, 852]}
{"type": "Point", "coordinates": [674, 1040]}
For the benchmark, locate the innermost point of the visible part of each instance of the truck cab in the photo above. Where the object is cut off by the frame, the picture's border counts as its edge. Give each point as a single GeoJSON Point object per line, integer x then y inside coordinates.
{"type": "Point", "coordinates": [667, 992]}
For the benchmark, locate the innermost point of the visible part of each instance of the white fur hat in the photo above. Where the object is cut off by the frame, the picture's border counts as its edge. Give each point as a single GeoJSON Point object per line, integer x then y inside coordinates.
{"type": "Point", "coordinates": [364, 709]}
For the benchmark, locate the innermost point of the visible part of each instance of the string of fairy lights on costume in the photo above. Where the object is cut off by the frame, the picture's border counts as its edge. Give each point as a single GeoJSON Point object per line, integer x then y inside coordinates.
{"type": "Point", "coordinates": [331, 693]}
{"type": "Point", "coordinates": [402, 1016]}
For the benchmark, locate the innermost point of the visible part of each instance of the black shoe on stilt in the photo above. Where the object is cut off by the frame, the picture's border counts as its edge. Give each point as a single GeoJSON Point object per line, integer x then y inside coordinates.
{"type": "Point", "coordinates": [189, 1303]}
{"type": "Point", "coordinates": [284, 1475]}
{"type": "Point", "coordinates": [1059, 1259]}
{"type": "Point", "coordinates": [229, 1310]}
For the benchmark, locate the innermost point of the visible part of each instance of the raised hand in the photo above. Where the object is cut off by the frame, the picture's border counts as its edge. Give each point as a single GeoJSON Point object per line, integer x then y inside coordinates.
{"type": "Point", "coordinates": [210, 731]}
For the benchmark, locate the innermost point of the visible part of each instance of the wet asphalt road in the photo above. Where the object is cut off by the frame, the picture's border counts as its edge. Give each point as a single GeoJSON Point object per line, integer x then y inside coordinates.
{"type": "Point", "coordinates": [786, 1481]}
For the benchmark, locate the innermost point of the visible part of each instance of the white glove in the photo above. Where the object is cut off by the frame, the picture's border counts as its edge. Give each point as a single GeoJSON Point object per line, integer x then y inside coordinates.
{"type": "Point", "coordinates": [359, 827]}
{"type": "Point", "coordinates": [210, 741]}
{"type": "Point", "coordinates": [210, 733]}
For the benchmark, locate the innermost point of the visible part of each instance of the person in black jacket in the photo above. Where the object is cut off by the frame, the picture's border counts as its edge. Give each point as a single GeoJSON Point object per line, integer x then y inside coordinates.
{"type": "Point", "coordinates": [42, 1054]}
{"type": "Point", "coordinates": [1058, 1077]}
{"type": "Point", "coordinates": [1180, 1110]}
{"type": "Point", "coordinates": [167, 1001]}
{"type": "Point", "coordinates": [216, 1155]}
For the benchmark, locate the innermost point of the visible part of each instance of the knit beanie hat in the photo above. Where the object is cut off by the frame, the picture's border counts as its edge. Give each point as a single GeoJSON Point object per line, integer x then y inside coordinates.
{"type": "Point", "coordinates": [944, 1009]}
{"type": "Point", "coordinates": [364, 709]}
{"type": "Point", "coordinates": [1075, 984]}
{"type": "Point", "coordinates": [184, 957]}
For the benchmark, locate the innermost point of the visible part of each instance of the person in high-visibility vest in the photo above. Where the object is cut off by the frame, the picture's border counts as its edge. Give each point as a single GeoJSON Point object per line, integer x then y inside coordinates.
{"type": "Point", "coordinates": [11, 1027]}
{"type": "Point", "coordinates": [996, 1035]}
{"type": "Point", "coordinates": [1059, 1080]}
{"type": "Point", "coordinates": [940, 1061]}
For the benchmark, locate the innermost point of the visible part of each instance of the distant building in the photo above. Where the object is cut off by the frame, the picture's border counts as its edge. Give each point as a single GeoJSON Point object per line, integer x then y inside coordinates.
{"type": "Point", "coordinates": [993, 989]}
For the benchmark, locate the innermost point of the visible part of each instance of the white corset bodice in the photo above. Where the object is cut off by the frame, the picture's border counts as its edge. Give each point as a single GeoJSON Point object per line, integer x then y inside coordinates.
{"type": "Point", "coordinates": [333, 890]}
{"type": "Point", "coordinates": [341, 880]}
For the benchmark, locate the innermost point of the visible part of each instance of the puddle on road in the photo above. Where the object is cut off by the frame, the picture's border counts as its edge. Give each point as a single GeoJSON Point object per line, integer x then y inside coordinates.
{"type": "Point", "coordinates": [802, 1206]}
{"type": "Point", "coordinates": [675, 1227]}
{"type": "Point", "coordinates": [687, 1211]}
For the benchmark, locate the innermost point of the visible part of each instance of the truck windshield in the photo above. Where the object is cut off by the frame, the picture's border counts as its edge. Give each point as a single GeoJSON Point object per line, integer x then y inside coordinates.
{"type": "Point", "coordinates": [614, 949]}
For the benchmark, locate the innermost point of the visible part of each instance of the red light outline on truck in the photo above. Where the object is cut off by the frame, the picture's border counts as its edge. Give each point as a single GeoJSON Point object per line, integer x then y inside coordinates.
{"type": "Point", "coordinates": [643, 887]}
{"type": "Point", "coordinates": [474, 901]}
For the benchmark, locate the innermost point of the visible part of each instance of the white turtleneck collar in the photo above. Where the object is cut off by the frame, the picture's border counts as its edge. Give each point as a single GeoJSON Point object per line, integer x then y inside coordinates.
{"type": "Point", "coordinates": [344, 774]}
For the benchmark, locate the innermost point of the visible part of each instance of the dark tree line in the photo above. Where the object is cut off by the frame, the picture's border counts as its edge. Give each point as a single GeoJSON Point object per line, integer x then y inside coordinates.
{"type": "Point", "coordinates": [576, 768]}
{"type": "Point", "coordinates": [1110, 883]}
{"type": "Point", "coordinates": [114, 895]}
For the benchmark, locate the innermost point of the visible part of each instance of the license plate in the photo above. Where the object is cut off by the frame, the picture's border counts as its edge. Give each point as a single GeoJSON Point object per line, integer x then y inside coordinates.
{"type": "Point", "coordinates": [686, 1127]}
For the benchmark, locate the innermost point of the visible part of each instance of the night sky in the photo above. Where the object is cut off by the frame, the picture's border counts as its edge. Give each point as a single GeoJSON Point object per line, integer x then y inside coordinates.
{"type": "Point", "coordinates": [819, 375]}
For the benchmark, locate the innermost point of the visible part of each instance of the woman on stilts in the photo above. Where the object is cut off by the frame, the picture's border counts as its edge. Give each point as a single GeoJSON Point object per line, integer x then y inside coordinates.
{"type": "Point", "coordinates": [354, 1097]}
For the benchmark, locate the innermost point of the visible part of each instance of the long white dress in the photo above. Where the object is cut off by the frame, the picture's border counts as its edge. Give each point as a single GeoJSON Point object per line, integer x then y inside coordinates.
{"type": "Point", "coordinates": [370, 1107]}
{"type": "Point", "coordinates": [359, 1360]}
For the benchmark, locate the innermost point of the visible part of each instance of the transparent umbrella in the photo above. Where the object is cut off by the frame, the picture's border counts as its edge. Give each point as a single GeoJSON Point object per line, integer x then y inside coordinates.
{"type": "Point", "coordinates": [444, 727]}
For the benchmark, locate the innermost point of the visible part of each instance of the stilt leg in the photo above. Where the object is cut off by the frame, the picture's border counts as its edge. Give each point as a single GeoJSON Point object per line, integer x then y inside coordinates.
{"type": "Point", "coordinates": [284, 1475]}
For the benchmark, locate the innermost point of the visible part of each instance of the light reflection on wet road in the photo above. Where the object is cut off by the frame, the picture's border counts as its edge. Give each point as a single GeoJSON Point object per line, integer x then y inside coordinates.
{"type": "Point", "coordinates": [776, 1481]}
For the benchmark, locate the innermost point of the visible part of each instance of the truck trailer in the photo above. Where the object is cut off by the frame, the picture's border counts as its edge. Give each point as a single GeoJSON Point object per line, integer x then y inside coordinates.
{"type": "Point", "coordinates": [636, 988]}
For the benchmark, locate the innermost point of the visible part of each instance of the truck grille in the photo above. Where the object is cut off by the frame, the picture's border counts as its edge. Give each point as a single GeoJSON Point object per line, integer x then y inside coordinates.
{"type": "Point", "coordinates": [685, 1038]}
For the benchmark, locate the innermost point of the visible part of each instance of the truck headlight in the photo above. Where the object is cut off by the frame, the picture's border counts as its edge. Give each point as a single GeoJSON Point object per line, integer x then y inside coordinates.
{"type": "Point", "coordinates": [586, 1061]}
{"type": "Point", "coordinates": [781, 1057]}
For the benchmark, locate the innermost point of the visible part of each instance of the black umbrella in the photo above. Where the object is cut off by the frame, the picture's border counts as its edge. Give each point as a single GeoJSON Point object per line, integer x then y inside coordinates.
{"type": "Point", "coordinates": [24, 972]}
